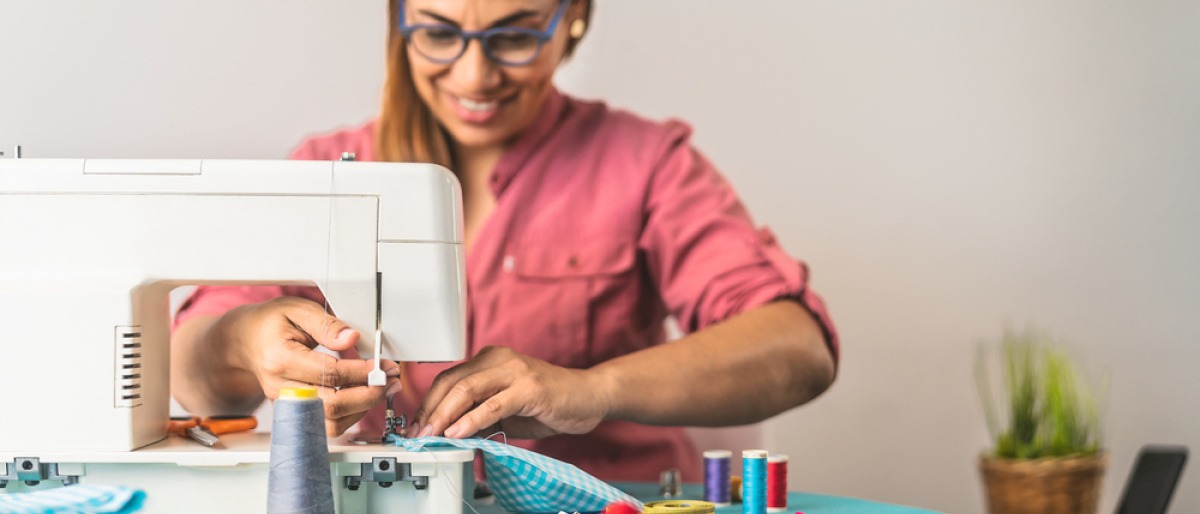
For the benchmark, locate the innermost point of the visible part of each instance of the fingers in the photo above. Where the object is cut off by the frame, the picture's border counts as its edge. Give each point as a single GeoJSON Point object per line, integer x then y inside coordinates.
{"type": "Point", "coordinates": [350, 401]}
{"type": "Point", "coordinates": [344, 407]}
{"type": "Point", "coordinates": [475, 401]}
{"type": "Point", "coordinates": [527, 396]}
{"type": "Point", "coordinates": [337, 427]}
{"type": "Point", "coordinates": [297, 363]}
{"type": "Point", "coordinates": [323, 328]}
{"type": "Point", "coordinates": [497, 407]}
{"type": "Point", "coordinates": [280, 335]}
{"type": "Point", "coordinates": [441, 387]}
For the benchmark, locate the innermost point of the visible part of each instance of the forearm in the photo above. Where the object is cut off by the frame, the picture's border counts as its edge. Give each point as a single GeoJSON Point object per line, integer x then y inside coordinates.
{"type": "Point", "coordinates": [206, 375]}
{"type": "Point", "coordinates": [744, 370]}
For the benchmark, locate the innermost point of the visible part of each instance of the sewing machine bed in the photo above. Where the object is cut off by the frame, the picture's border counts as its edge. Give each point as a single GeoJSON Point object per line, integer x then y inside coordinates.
{"type": "Point", "coordinates": [179, 474]}
{"type": "Point", "coordinates": [241, 448]}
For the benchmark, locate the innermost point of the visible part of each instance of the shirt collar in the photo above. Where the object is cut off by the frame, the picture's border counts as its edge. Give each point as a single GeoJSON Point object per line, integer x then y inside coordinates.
{"type": "Point", "coordinates": [529, 140]}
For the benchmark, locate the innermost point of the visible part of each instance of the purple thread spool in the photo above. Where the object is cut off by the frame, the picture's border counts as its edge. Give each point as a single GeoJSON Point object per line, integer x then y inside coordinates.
{"type": "Point", "coordinates": [716, 476]}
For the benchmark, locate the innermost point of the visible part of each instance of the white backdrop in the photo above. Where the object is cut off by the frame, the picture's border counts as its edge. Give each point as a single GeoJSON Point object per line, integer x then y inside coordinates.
{"type": "Point", "coordinates": [945, 167]}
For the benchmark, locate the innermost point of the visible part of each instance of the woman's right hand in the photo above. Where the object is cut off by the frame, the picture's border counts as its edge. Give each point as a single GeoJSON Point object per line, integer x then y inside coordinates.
{"type": "Point", "coordinates": [274, 341]}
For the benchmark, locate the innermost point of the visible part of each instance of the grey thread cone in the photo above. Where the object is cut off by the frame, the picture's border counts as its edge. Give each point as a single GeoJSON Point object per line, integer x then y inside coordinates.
{"type": "Point", "coordinates": [298, 482]}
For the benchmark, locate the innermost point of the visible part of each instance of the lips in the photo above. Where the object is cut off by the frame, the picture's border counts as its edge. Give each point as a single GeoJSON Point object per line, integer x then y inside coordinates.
{"type": "Point", "coordinates": [476, 111]}
{"type": "Point", "coordinates": [474, 106]}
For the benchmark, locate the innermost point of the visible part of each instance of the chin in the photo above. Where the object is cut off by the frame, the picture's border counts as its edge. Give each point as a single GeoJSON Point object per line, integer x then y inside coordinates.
{"type": "Point", "coordinates": [473, 137]}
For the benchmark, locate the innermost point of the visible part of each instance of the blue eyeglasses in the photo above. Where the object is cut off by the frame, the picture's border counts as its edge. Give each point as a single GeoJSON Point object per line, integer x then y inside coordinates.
{"type": "Point", "coordinates": [509, 46]}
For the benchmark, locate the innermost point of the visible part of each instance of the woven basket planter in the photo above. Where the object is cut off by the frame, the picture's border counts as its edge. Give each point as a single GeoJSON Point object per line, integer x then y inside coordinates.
{"type": "Point", "coordinates": [1067, 485]}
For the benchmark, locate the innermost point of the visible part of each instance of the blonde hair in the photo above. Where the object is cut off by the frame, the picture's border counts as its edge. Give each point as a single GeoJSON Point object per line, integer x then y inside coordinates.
{"type": "Point", "coordinates": [407, 130]}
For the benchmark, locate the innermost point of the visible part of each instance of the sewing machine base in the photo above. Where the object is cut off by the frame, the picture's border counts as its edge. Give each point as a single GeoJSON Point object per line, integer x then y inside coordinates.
{"type": "Point", "coordinates": [179, 475]}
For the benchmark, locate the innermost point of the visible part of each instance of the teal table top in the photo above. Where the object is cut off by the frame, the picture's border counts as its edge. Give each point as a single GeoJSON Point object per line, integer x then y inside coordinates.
{"type": "Point", "coordinates": [797, 502]}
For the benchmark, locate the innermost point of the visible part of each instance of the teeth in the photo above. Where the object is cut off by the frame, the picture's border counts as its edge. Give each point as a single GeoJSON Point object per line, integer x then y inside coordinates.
{"type": "Point", "coordinates": [472, 105]}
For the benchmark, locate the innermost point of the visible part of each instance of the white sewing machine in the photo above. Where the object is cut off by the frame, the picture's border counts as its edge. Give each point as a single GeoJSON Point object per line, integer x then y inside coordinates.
{"type": "Point", "coordinates": [89, 251]}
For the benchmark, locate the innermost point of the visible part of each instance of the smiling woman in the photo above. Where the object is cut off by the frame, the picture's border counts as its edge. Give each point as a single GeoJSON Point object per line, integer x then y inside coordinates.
{"type": "Point", "coordinates": [478, 103]}
{"type": "Point", "coordinates": [586, 227]}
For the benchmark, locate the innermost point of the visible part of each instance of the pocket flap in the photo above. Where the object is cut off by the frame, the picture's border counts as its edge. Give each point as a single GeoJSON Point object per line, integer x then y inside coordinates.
{"type": "Point", "coordinates": [578, 258]}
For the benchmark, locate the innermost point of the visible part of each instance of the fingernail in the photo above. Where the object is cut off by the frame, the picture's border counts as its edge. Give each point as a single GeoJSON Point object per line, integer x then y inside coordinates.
{"type": "Point", "coordinates": [453, 431]}
{"type": "Point", "coordinates": [344, 335]}
{"type": "Point", "coordinates": [426, 432]}
{"type": "Point", "coordinates": [394, 388]}
{"type": "Point", "coordinates": [412, 430]}
{"type": "Point", "coordinates": [393, 372]}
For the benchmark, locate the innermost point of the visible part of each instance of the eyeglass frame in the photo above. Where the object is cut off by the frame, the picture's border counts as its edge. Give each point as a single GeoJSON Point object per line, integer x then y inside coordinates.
{"type": "Point", "coordinates": [481, 35]}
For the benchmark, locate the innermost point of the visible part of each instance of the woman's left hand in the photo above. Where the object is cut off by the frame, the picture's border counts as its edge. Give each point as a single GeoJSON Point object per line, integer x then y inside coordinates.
{"type": "Point", "coordinates": [526, 397]}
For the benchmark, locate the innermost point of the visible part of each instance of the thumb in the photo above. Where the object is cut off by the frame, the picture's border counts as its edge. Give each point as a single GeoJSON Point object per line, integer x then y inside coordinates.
{"type": "Point", "coordinates": [324, 328]}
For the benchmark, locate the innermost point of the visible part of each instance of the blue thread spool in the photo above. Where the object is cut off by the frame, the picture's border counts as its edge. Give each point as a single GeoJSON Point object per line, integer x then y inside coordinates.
{"type": "Point", "coordinates": [754, 482]}
{"type": "Point", "coordinates": [298, 482]}
{"type": "Point", "coordinates": [716, 477]}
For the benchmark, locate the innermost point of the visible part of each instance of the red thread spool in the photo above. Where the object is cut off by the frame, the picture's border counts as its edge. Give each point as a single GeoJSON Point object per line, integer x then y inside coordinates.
{"type": "Point", "coordinates": [777, 484]}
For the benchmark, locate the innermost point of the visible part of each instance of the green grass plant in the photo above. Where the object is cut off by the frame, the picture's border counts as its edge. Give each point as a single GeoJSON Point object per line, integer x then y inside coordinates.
{"type": "Point", "coordinates": [1049, 410]}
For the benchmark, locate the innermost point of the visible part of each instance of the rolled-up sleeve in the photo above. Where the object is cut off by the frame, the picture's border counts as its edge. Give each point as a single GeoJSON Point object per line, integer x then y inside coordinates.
{"type": "Point", "coordinates": [704, 252]}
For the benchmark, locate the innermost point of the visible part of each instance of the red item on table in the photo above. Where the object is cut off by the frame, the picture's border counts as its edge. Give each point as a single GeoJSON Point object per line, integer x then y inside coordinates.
{"type": "Point", "coordinates": [621, 508]}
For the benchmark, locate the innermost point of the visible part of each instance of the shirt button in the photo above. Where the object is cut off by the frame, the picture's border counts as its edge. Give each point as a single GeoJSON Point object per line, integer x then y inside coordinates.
{"type": "Point", "coordinates": [509, 263]}
{"type": "Point", "coordinates": [573, 262]}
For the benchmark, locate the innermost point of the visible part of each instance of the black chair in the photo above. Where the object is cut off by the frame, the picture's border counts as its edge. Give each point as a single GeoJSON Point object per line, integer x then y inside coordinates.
{"type": "Point", "coordinates": [1153, 480]}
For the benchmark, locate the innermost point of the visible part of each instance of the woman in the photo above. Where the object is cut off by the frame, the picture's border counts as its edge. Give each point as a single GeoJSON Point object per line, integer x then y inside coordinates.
{"type": "Point", "coordinates": [585, 228]}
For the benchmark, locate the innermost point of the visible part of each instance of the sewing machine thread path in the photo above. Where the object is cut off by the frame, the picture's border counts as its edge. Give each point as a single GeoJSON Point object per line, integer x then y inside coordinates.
{"type": "Point", "coordinates": [91, 248]}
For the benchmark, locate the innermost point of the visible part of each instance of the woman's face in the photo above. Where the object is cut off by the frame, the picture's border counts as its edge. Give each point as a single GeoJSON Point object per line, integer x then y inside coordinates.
{"type": "Point", "coordinates": [482, 103]}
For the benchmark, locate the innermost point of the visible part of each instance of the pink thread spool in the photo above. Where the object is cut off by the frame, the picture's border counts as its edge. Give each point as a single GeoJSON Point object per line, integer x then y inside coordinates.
{"type": "Point", "coordinates": [777, 483]}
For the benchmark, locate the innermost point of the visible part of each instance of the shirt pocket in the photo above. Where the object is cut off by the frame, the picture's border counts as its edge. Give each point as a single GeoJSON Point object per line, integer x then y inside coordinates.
{"type": "Point", "coordinates": [555, 290]}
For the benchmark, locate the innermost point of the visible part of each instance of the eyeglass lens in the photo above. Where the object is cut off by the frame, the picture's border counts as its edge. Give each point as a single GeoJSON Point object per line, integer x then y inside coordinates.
{"type": "Point", "coordinates": [445, 44]}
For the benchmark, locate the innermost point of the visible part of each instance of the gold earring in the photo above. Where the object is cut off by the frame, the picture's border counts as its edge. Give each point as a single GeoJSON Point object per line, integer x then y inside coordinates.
{"type": "Point", "coordinates": [578, 27]}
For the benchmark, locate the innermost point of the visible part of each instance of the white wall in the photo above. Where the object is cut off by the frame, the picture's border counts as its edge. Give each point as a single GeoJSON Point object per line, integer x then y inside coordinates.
{"type": "Point", "coordinates": [184, 78]}
{"type": "Point", "coordinates": [944, 166]}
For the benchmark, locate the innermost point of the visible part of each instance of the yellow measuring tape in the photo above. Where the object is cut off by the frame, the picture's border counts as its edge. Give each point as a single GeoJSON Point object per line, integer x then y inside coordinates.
{"type": "Point", "coordinates": [679, 507]}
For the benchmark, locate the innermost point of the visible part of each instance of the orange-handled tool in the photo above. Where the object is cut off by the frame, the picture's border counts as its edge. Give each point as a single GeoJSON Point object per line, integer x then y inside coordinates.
{"type": "Point", "coordinates": [205, 430]}
{"type": "Point", "coordinates": [227, 424]}
{"type": "Point", "coordinates": [215, 424]}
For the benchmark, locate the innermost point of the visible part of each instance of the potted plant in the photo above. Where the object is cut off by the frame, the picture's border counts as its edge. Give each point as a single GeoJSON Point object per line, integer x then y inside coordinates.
{"type": "Point", "coordinates": [1047, 457]}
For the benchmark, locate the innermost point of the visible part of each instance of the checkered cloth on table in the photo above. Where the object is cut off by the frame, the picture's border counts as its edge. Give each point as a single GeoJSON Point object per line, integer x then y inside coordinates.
{"type": "Point", "coordinates": [524, 481]}
{"type": "Point", "coordinates": [80, 498]}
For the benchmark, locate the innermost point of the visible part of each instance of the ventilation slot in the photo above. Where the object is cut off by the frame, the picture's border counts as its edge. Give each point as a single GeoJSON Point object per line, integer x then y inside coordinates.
{"type": "Point", "coordinates": [128, 391]}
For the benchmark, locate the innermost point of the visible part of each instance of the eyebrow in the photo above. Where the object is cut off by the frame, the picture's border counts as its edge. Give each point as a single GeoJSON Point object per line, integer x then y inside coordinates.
{"type": "Point", "coordinates": [505, 21]}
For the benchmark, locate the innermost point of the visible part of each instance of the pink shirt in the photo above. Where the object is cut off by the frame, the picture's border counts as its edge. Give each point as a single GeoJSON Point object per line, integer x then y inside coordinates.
{"type": "Point", "coordinates": [605, 223]}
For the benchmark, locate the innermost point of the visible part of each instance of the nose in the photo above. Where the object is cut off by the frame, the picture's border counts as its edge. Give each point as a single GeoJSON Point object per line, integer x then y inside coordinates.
{"type": "Point", "coordinates": [473, 71]}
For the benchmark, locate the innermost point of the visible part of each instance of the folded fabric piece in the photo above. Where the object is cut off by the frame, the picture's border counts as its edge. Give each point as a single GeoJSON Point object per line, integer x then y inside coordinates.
{"type": "Point", "coordinates": [79, 498]}
{"type": "Point", "coordinates": [528, 482]}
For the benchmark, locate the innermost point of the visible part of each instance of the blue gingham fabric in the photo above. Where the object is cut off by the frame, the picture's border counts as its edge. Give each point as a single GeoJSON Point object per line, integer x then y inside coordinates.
{"type": "Point", "coordinates": [529, 482]}
{"type": "Point", "coordinates": [79, 498]}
